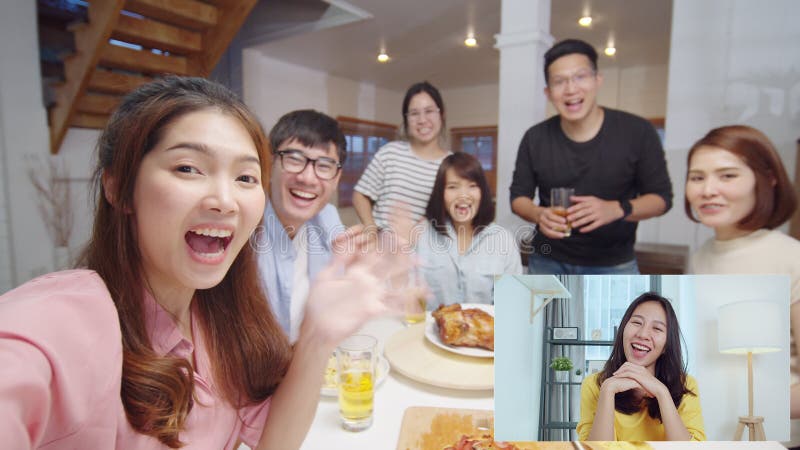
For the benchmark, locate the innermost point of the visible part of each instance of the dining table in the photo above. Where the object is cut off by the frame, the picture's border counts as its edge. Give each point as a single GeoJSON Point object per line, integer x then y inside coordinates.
{"type": "Point", "coordinates": [392, 398]}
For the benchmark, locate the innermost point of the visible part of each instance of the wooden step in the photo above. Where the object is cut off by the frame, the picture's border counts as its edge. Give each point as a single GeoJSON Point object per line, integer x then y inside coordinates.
{"type": "Point", "coordinates": [88, 41]}
{"type": "Point", "coordinates": [84, 120]}
{"type": "Point", "coordinates": [190, 14]}
{"type": "Point", "coordinates": [103, 80]}
{"type": "Point", "coordinates": [143, 61]}
{"type": "Point", "coordinates": [102, 104]}
{"type": "Point", "coordinates": [152, 34]}
{"type": "Point", "coordinates": [232, 14]}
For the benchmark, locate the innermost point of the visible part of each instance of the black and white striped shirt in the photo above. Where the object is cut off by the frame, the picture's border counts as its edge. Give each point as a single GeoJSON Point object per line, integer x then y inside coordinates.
{"type": "Point", "coordinates": [396, 175]}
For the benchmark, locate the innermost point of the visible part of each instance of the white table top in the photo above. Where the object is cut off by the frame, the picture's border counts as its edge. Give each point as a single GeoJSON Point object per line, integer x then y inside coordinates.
{"type": "Point", "coordinates": [391, 400]}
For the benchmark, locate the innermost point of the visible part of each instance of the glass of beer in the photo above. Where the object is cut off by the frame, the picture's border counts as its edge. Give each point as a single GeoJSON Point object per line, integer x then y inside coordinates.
{"type": "Point", "coordinates": [356, 359]}
{"type": "Point", "coordinates": [415, 309]}
{"type": "Point", "coordinates": [411, 283]}
{"type": "Point", "coordinates": [560, 201]}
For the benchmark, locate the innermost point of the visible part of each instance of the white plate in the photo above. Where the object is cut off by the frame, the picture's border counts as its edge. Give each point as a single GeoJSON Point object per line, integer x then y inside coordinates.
{"type": "Point", "coordinates": [432, 334]}
{"type": "Point", "coordinates": [329, 390]}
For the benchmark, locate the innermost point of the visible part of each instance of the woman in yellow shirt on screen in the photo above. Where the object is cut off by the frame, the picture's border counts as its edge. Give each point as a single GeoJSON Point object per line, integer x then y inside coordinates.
{"type": "Point", "coordinates": [643, 393]}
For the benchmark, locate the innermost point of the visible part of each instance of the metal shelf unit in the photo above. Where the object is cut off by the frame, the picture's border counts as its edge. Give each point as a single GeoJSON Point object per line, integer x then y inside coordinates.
{"type": "Point", "coordinates": [550, 430]}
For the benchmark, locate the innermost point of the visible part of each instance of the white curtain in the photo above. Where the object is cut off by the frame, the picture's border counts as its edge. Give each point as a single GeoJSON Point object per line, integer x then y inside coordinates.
{"type": "Point", "coordinates": [562, 402]}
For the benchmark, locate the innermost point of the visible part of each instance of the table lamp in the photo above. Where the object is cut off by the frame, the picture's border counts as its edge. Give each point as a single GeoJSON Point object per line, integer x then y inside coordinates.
{"type": "Point", "coordinates": [745, 328]}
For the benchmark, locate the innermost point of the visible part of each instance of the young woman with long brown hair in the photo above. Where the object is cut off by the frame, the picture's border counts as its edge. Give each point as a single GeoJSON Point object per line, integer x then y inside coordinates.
{"type": "Point", "coordinates": [643, 392]}
{"type": "Point", "coordinates": [166, 339]}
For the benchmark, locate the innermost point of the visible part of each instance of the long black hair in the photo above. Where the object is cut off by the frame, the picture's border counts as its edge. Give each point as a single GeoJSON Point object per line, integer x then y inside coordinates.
{"type": "Point", "coordinates": [670, 367]}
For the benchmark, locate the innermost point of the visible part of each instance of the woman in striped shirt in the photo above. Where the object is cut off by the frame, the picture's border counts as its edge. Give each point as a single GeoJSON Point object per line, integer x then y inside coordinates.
{"type": "Point", "coordinates": [402, 172]}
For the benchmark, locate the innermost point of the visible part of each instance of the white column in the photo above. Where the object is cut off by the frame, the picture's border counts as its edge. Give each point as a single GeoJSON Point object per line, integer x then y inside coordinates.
{"type": "Point", "coordinates": [24, 132]}
{"type": "Point", "coordinates": [524, 38]}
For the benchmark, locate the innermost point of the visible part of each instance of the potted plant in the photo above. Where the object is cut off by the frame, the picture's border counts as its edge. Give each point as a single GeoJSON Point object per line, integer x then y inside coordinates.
{"type": "Point", "coordinates": [577, 376]}
{"type": "Point", "coordinates": [562, 365]}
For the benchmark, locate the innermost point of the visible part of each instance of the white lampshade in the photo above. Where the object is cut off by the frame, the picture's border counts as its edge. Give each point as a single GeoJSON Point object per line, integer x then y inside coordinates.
{"type": "Point", "coordinates": [750, 327]}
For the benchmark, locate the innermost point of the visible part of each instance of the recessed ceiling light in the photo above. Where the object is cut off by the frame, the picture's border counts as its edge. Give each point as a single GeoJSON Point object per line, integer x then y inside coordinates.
{"type": "Point", "coordinates": [383, 57]}
{"type": "Point", "coordinates": [470, 41]}
{"type": "Point", "coordinates": [585, 21]}
{"type": "Point", "coordinates": [610, 50]}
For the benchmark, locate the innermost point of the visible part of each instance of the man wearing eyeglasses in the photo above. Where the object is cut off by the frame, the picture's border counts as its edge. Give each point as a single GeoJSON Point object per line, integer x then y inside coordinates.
{"type": "Point", "coordinates": [308, 151]}
{"type": "Point", "coordinates": [613, 160]}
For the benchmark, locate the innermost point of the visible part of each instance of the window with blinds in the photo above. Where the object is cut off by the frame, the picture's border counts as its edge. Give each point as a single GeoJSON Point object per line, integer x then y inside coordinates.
{"type": "Point", "coordinates": [364, 138]}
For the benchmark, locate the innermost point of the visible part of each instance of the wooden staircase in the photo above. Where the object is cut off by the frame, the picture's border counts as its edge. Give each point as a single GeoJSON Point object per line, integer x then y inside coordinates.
{"type": "Point", "coordinates": [125, 43]}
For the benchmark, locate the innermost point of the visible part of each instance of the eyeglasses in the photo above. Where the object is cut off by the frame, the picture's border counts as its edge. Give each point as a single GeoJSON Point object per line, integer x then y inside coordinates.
{"type": "Point", "coordinates": [579, 78]}
{"type": "Point", "coordinates": [416, 114]}
{"type": "Point", "coordinates": [294, 161]}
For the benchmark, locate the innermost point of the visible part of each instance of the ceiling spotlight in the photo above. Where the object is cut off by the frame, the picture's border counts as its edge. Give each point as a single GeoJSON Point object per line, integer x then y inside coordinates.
{"type": "Point", "coordinates": [470, 41]}
{"type": "Point", "coordinates": [611, 50]}
{"type": "Point", "coordinates": [383, 57]}
{"type": "Point", "coordinates": [585, 21]}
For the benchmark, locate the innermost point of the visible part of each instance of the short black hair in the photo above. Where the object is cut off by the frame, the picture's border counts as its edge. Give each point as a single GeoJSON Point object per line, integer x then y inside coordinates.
{"type": "Point", "coordinates": [569, 47]}
{"type": "Point", "coordinates": [416, 88]}
{"type": "Point", "coordinates": [311, 128]}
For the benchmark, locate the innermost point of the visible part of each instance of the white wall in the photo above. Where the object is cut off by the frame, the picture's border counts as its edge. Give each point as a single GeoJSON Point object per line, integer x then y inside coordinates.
{"type": "Point", "coordinates": [5, 235]}
{"type": "Point", "coordinates": [273, 87]}
{"type": "Point", "coordinates": [78, 153]}
{"type": "Point", "coordinates": [731, 61]}
{"type": "Point", "coordinates": [471, 106]}
{"type": "Point", "coordinates": [518, 344]}
{"type": "Point", "coordinates": [722, 379]}
{"type": "Point", "coordinates": [24, 132]}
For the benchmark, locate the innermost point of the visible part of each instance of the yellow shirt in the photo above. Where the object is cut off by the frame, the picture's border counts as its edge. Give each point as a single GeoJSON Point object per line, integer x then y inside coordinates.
{"type": "Point", "coordinates": [640, 426]}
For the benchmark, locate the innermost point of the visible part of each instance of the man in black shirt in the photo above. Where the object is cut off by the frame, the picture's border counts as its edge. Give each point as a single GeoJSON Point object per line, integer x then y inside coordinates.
{"type": "Point", "coordinates": [613, 160]}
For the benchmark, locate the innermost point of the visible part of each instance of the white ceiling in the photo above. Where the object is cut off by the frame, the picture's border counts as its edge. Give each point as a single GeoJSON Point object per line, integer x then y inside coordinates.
{"type": "Point", "coordinates": [425, 38]}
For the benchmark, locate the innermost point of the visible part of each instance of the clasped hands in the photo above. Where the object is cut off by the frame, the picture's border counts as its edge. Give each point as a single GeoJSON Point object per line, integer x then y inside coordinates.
{"type": "Point", "coordinates": [586, 214]}
{"type": "Point", "coordinates": [632, 376]}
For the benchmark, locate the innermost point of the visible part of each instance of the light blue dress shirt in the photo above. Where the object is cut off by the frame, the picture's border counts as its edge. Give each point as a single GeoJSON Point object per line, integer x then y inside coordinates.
{"type": "Point", "coordinates": [276, 255]}
{"type": "Point", "coordinates": [467, 278]}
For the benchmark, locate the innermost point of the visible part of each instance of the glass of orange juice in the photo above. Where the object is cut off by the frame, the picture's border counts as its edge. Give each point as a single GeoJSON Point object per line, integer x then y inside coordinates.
{"type": "Point", "coordinates": [356, 359]}
{"type": "Point", "coordinates": [560, 201]}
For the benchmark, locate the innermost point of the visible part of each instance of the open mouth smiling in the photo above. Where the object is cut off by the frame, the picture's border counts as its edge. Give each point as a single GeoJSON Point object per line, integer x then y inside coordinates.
{"type": "Point", "coordinates": [302, 194]}
{"type": "Point", "coordinates": [208, 243]}
{"type": "Point", "coordinates": [641, 348]}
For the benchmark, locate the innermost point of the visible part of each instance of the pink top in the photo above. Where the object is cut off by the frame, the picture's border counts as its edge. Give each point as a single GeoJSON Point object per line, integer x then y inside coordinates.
{"type": "Point", "coordinates": [61, 369]}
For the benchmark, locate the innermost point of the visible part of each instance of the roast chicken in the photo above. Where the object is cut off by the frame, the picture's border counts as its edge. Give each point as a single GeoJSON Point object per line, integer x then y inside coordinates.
{"type": "Point", "coordinates": [470, 327]}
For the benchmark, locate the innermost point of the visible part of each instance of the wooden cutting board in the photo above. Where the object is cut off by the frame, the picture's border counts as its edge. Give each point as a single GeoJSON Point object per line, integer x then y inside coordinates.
{"type": "Point", "coordinates": [410, 354]}
{"type": "Point", "coordinates": [430, 428]}
{"type": "Point", "coordinates": [426, 428]}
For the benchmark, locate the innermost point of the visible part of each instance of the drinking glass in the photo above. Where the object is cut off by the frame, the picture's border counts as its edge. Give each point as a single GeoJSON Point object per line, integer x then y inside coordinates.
{"type": "Point", "coordinates": [411, 282]}
{"type": "Point", "coordinates": [356, 359]}
{"type": "Point", "coordinates": [560, 201]}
